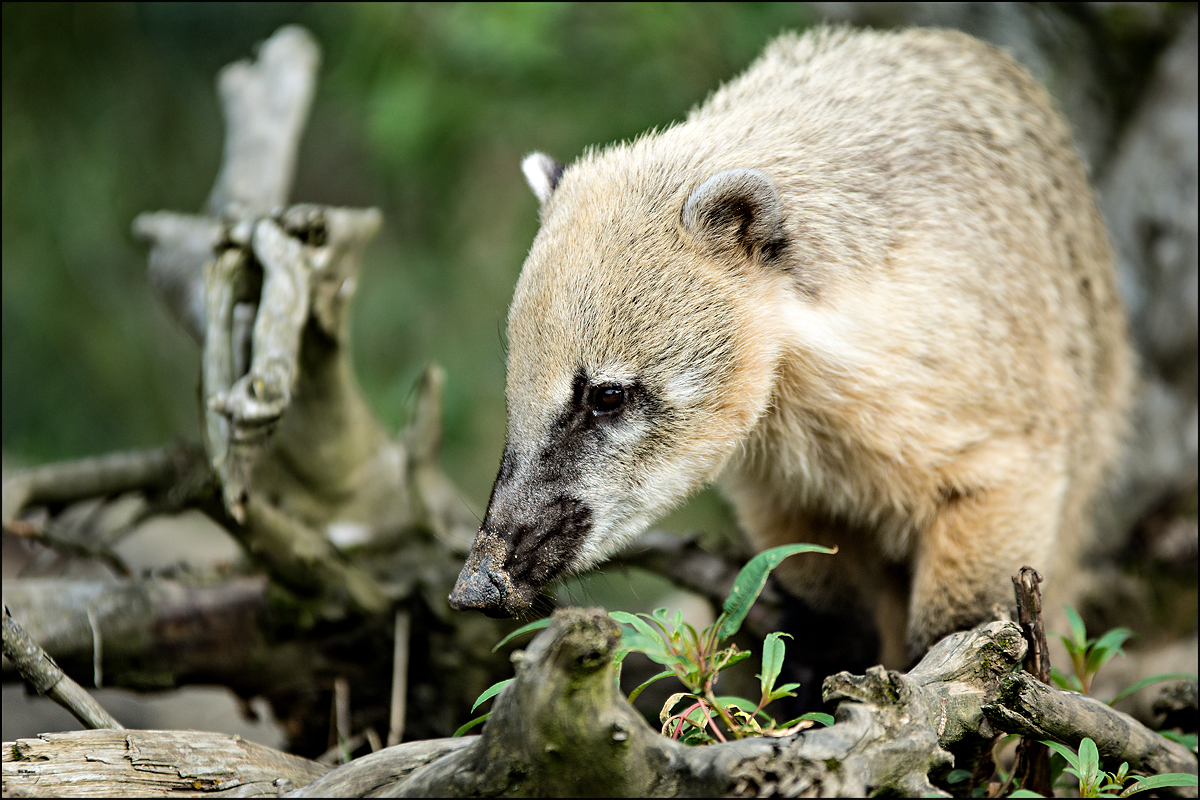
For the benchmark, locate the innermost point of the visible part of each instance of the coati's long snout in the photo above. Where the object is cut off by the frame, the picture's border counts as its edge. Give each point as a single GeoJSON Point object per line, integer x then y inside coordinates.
{"type": "Point", "coordinates": [529, 537]}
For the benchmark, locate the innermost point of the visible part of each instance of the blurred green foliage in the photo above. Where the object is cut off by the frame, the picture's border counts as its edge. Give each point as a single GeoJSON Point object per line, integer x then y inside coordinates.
{"type": "Point", "coordinates": [422, 110]}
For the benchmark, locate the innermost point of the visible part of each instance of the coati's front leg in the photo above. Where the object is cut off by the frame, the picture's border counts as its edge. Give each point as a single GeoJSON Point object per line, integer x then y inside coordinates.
{"type": "Point", "coordinates": [967, 555]}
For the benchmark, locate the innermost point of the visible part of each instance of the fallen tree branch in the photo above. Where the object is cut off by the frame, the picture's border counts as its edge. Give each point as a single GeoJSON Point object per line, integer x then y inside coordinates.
{"type": "Point", "coordinates": [131, 763]}
{"type": "Point", "coordinates": [111, 474]}
{"type": "Point", "coordinates": [40, 671]}
{"type": "Point", "coordinates": [563, 728]}
{"type": "Point", "coordinates": [1031, 708]}
{"type": "Point", "coordinates": [157, 632]}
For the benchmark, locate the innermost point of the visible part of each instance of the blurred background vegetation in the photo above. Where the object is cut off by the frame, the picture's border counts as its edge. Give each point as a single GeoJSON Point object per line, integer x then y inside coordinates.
{"type": "Point", "coordinates": [423, 111]}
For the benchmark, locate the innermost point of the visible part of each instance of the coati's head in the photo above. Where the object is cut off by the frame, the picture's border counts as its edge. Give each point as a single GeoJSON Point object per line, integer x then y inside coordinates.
{"type": "Point", "coordinates": [639, 357]}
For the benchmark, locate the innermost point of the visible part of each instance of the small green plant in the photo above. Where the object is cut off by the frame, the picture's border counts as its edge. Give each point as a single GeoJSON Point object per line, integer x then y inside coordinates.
{"type": "Point", "coordinates": [1094, 782]}
{"type": "Point", "coordinates": [696, 658]}
{"type": "Point", "coordinates": [1087, 655]}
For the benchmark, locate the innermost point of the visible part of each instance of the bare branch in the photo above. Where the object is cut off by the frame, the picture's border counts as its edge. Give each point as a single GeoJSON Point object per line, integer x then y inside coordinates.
{"type": "Point", "coordinates": [181, 245]}
{"type": "Point", "coordinates": [401, 630]}
{"type": "Point", "coordinates": [1031, 708]}
{"type": "Point", "coordinates": [563, 728]}
{"type": "Point", "coordinates": [1029, 615]}
{"type": "Point", "coordinates": [301, 557]}
{"type": "Point", "coordinates": [47, 678]}
{"type": "Point", "coordinates": [369, 775]}
{"type": "Point", "coordinates": [156, 632]}
{"type": "Point", "coordinates": [265, 104]}
{"type": "Point", "coordinates": [115, 473]}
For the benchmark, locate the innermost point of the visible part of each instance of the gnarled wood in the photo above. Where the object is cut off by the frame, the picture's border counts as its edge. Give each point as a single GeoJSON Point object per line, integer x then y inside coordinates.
{"type": "Point", "coordinates": [126, 763]}
{"type": "Point", "coordinates": [1032, 708]}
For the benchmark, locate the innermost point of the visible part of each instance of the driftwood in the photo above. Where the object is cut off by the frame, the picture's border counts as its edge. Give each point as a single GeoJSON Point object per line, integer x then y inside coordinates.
{"type": "Point", "coordinates": [562, 728]}
{"type": "Point", "coordinates": [124, 763]}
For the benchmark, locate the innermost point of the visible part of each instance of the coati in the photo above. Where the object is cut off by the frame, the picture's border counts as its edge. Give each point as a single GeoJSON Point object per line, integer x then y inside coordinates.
{"type": "Point", "coordinates": [864, 286]}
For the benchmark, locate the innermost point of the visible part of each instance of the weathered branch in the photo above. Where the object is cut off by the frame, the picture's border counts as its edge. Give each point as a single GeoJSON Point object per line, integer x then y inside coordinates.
{"type": "Point", "coordinates": [1031, 708]}
{"type": "Point", "coordinates": [248, 279]}
{"type": "Point", "coordinates": [40, 671]}
{"type": "Point", "coordinates": [372, 774]}
{"type": "Point", "coordinates": [114, 473]}
{"type": "Point", "coordinates": [265, 103]}
{"type": "Point", "coordinates": [156, 632]}
{"type": "Point", "coordinates": [302, 558]}
{"type": "Point", "coordinates": [1029, 615]}
{"type": "Point", "coordinates": [130, 763]}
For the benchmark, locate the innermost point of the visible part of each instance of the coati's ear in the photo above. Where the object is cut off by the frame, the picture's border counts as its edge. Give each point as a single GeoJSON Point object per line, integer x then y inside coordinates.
{"type": "Point", "coordinates": [737, 208]}
{"type": "Point", "coordinates": [542, 173]}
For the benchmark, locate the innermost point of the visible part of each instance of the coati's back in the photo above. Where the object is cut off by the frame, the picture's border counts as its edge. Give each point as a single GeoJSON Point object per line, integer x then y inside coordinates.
{"type": "Point", "coordinates": [867, 282]}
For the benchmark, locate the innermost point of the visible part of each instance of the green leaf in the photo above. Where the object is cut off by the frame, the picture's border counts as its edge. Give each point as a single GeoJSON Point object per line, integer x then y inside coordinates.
{"type": "Point", "coordinates": [1089, 766]}
{"type": "Point", "coordinates": [492, 691]}
{"type": "Point", "coordinates": [643, 627]}
{"type": "Point", "coordinates": [1065, 752]}
{"type": "Point", "coordinates": [787, 690]}
{"type": "Point", "coordinates": [738, 657]}
{"type": "Point", "coordinates": [1162, 781]}
{"type": "Point", "coordinates": [772, 660]}
{"type": "Point", "coordinates": [737, 702]}
{"type": "Point", "coordinates": [666, 673]}
{"type": "Point", "coordinates": [1078, 630]}
{"type": "Point", "coordinates": [470, 725]}
{"type": "Point", "coordinates": [1106, 647]}
{"type": "Point", "coordinates": [1024, 793]}
{"type": "Point", "coordinates": [815, 716]}
{"type": "Point", "coordinates": [634, 641]}
{"type": "Point", "coordinates": [1070, 682]}
{"type": "Point", "coordinates": [751, 580]}
{"type": "Point", "coordinates": [537, 624]}
{"type": "Point", "coordinates": [1142, 684]}
{"type": "Point", "coordinates": [958, 776]}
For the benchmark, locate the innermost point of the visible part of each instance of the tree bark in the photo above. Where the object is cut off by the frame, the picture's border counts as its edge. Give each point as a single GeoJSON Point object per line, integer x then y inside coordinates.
{"type": "Point", "coordinates": [124, 763]}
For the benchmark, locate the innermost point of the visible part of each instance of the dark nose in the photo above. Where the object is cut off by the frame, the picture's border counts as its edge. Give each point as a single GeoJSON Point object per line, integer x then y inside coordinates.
{"type": "Point", "coordinates": [478, 588]}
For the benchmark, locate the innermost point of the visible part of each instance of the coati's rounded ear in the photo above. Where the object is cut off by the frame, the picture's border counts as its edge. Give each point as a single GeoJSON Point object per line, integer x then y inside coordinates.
{"type": "Point", "coordinates": [737, 208]}
{"type": "Point", "coordinates": [542, 173]}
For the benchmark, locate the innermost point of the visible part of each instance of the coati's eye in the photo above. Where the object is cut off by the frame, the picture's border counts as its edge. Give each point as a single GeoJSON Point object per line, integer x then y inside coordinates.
{"type": "Point", "coordinates": [607, 399]}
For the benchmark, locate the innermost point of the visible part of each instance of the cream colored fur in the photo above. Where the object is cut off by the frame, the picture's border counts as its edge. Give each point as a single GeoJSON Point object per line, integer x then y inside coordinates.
{"type": "Point", "coordinates": [933, 373]}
